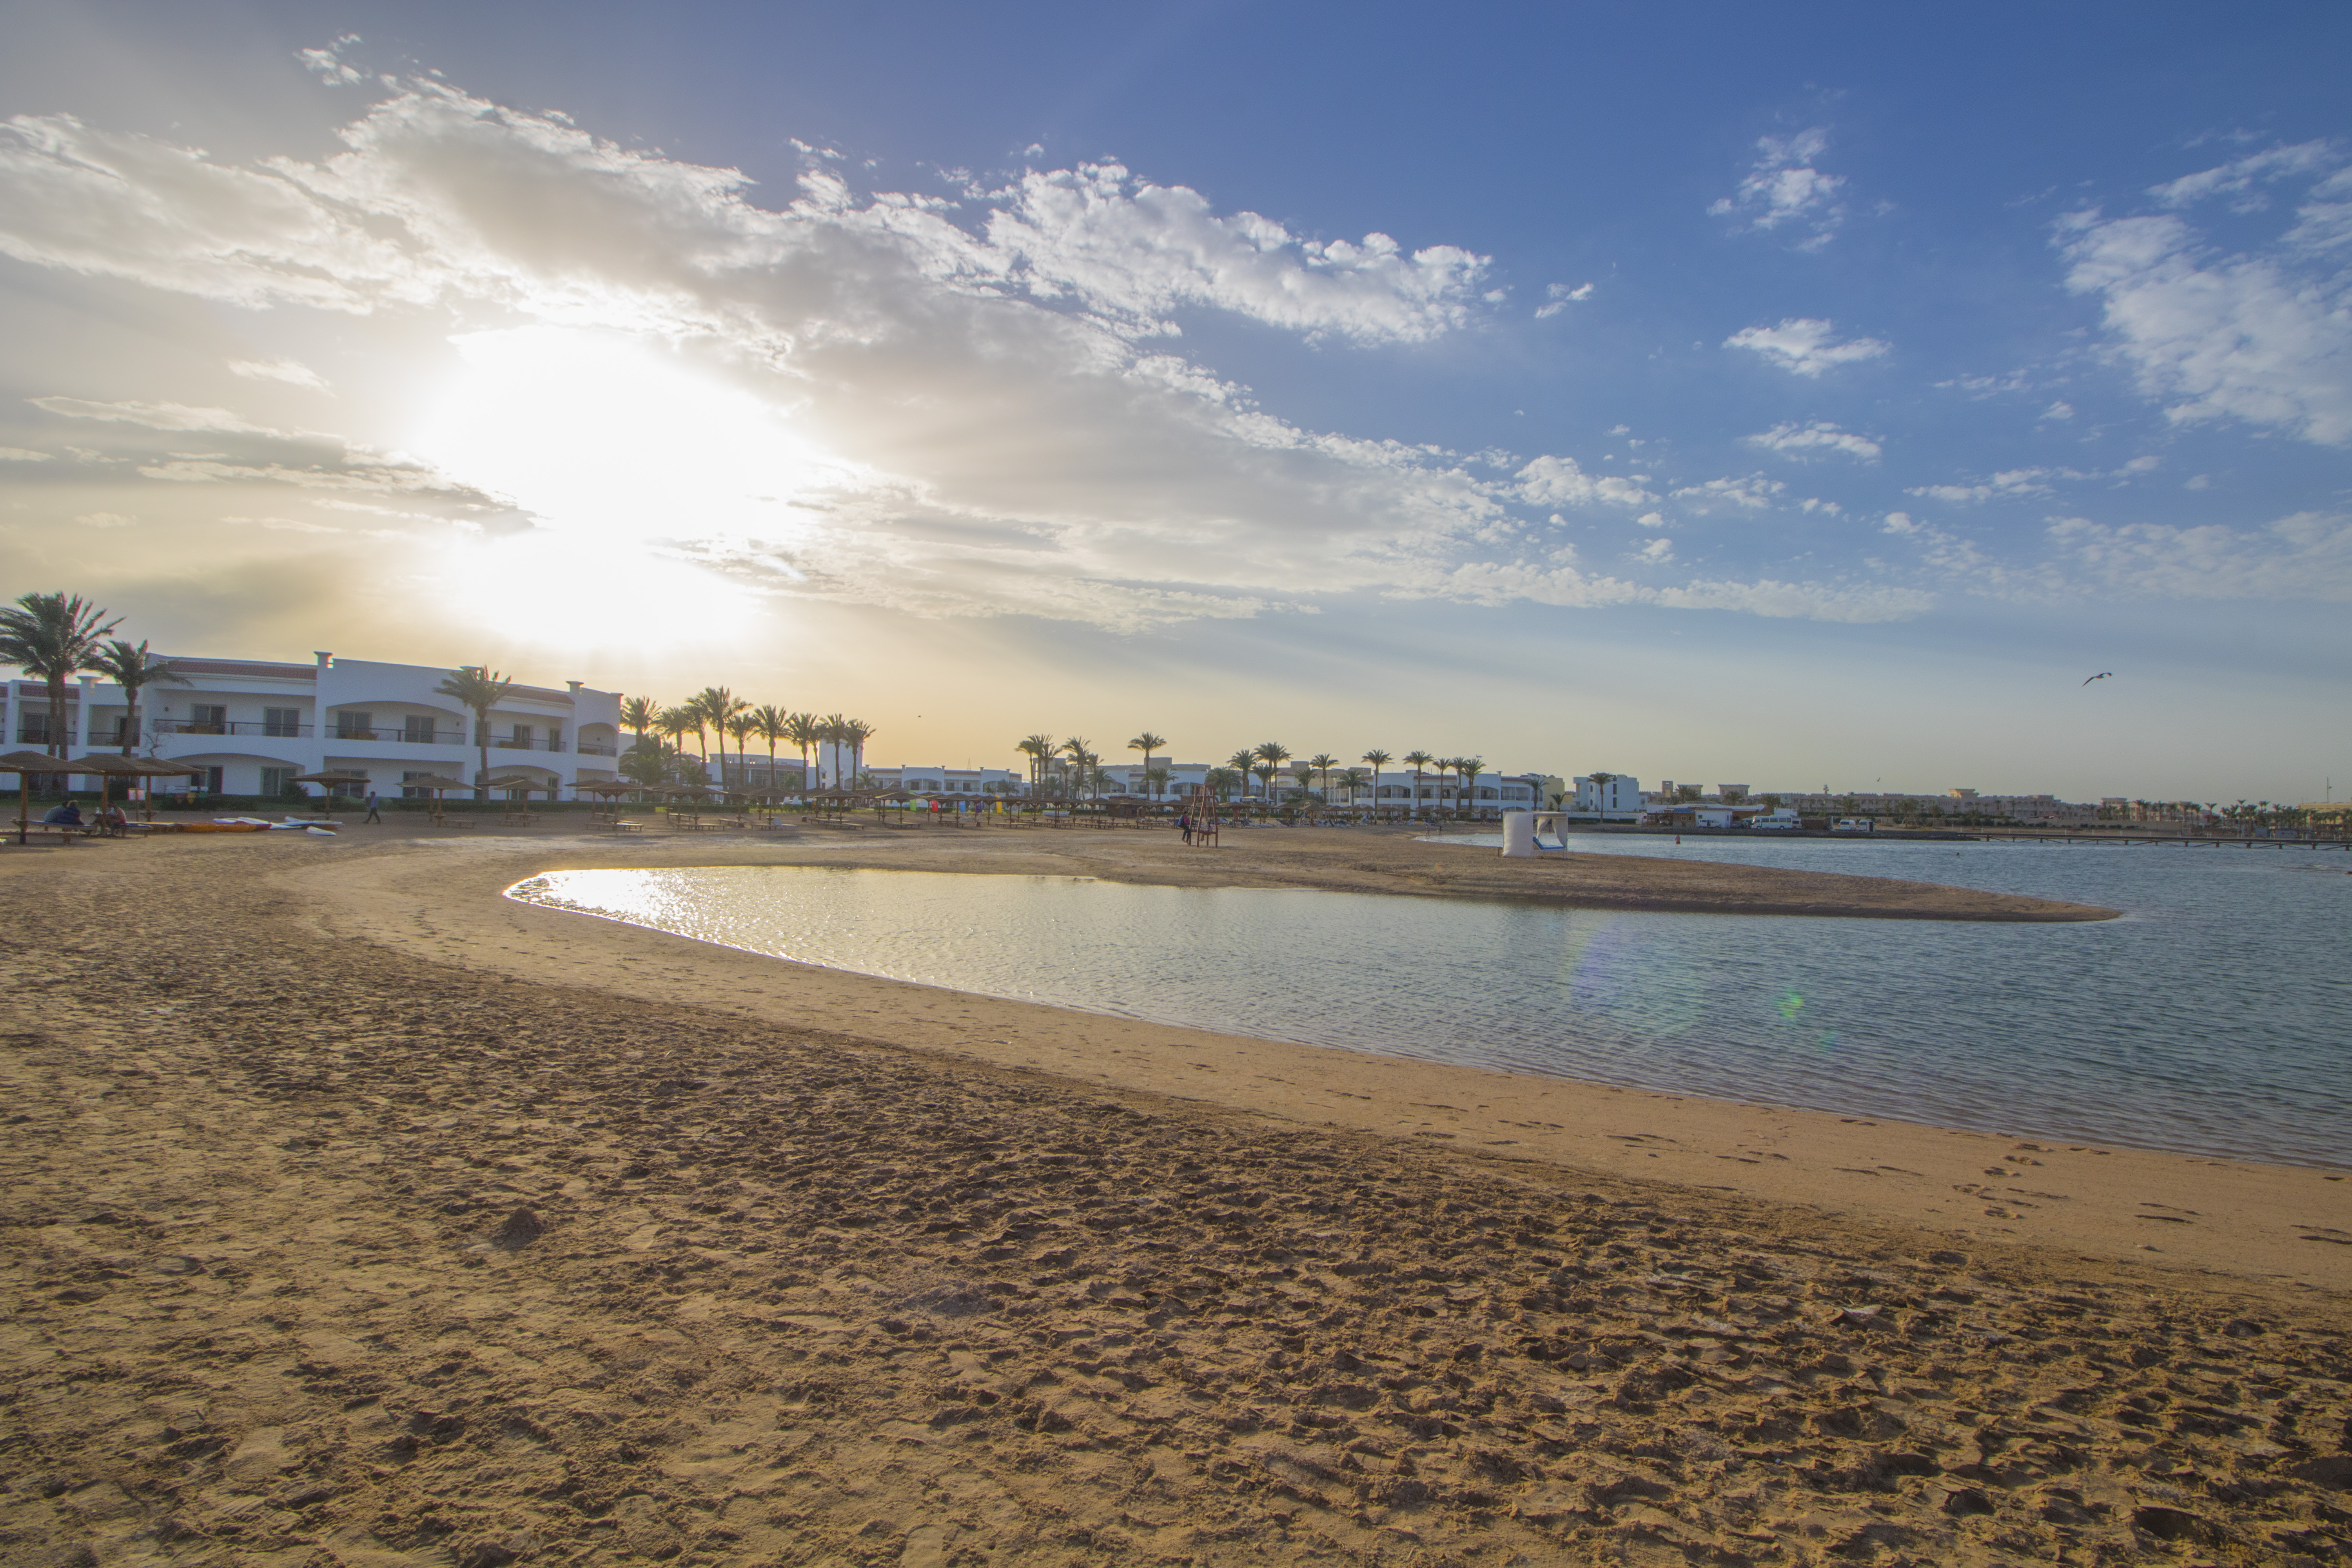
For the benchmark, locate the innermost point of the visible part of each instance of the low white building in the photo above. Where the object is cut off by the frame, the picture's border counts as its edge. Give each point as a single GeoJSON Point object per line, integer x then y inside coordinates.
{"type": "Point", "coordinates": [252, 725]}
{"type": "Point", "coordinates": [1610, 795]}
{"type": "Point", "coordinates": [947, 783]}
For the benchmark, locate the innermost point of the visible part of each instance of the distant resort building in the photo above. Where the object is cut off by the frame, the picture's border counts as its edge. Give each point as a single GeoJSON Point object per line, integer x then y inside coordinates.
{"type": "Point", "coordinates": [1620, 797]}
{"type": "Point", "coordinates": [252, 726]}
{"type": "Point", "coordinates": [1393, 790]}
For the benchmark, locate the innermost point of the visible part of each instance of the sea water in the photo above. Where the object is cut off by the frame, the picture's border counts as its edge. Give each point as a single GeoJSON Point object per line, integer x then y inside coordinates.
{"type": "Point", "coordinates": [2215, 1017]}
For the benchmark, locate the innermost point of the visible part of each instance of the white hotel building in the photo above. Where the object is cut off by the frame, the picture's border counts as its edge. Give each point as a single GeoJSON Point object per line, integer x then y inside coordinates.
{"type": "Point", "coordinates": [253, 725]}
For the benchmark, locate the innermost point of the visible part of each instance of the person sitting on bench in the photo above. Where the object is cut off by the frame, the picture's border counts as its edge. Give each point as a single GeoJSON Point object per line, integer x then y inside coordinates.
{"type": "Point", "coordinates": [65, 814]}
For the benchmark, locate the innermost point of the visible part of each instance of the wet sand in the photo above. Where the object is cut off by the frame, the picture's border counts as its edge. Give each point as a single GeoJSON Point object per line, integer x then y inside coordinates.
{"type": "Point", "coordinates": [359, 1216]}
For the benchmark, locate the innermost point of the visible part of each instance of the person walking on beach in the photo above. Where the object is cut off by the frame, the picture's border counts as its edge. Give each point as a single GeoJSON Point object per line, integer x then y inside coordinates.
{"type": "Point", "coordinates": [1184, 826]}
{"type": "Point", "coordinates": [373, 814]}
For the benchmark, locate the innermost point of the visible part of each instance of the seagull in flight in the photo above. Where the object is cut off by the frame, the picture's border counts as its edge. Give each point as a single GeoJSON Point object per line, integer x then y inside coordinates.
{"type": "Point", "coordinates": [2103, 675]}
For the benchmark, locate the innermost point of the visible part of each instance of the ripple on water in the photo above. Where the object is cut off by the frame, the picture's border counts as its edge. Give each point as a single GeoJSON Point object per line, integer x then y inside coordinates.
{"type": "Point", "coordinates": [2212, 1020]}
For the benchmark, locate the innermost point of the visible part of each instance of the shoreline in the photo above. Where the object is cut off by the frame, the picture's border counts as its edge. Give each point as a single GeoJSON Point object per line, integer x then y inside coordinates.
{"type": "Point", "coordinates": [2092, 1198]}
{"type": "Point", "coordinates": [351, 1214]}
{"type": "Point", "coordinates": [1340, 1052]}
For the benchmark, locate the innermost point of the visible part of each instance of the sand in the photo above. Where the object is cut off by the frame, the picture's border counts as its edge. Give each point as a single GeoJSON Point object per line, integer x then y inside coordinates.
{"type": "Point", "coordinates": [357, 1216]}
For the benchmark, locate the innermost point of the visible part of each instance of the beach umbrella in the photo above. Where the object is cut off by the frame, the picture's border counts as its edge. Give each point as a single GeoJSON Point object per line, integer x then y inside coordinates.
{"type": "Point", "coordinates": [523, 781]}
{"type": "Point", "coordinates": [331, 778]}
{"type": "Point", "coordinates": [25, 765]}
{"type": "Point", "coordinates": [437, 783]}
{"type": "Point", "coordinates": [110, 765]}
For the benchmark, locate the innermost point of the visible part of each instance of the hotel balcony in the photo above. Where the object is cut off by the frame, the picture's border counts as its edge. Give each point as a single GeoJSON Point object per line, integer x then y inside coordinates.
{"type": "Point", "coordinates": [235, 727]}
{"type": "Point", "coordinates": [512, 744]}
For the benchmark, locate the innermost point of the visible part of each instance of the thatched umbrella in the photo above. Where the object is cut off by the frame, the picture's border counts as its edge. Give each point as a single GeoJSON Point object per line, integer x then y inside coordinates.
{"type": "Point", "coordinates": [25, 765]}
{"type": "Point", "coordinates": [607, 792]}
{"type": "Point", "coordinates": [437, 783]}
{"type": "Point", "coordinates": [525, 782]}
{"type": "Point", "coordinates": [111, 765]}
{"type": "Point", "coordinates": [331, 778]}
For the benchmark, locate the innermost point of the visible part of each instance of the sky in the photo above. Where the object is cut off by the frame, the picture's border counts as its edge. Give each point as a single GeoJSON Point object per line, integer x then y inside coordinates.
{"type": "Point", "coordinates": [1804, 396]}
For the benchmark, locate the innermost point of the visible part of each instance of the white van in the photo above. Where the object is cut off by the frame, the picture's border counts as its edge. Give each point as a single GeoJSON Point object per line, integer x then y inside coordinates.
{"type": "Point", "coordinates": [1781, 821]}
{"type": "Point", "coordinates": [1854, 825]}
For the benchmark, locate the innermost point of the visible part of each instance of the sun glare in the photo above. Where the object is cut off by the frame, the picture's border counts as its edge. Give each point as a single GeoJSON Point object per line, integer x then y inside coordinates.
{"type": "Point", "coordinates": [615, 445]}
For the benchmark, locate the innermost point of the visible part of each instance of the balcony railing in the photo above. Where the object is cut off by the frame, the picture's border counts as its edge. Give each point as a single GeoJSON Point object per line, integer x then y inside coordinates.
{"type": "Point", "coordinates": [284, 732]}
{"type": "Point", "coordinates": [405, 735]}
{"type": "Point", "coordinates": [514, 743]}
{"type": "Point", "coordinates": [596, 749]}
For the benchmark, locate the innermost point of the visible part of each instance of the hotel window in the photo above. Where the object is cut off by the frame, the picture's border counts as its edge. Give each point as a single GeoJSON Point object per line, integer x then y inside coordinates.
{"type": "Point", "coordinates": [280, 721]}
{"type": "Point", "coordinates": [354, 726]}
{"type": "Point", "coordinates": [417, 729]}
{"type": "Point", "coordinates": [275, 781]}
{"type": "Point", "coordinates": [207, 781]}
{"type": "Point", "coordinates": [208, 719]}
{"type": "Point", "coordinates": [555, 737]}
{"type": "Point", "coordinates": [520, 740]}
{"type": "Point", "coordinates": [33, 727]}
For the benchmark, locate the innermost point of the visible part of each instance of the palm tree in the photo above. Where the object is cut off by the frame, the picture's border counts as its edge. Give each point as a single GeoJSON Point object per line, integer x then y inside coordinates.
{"type": "Point", "coordinates": [1273, 753]}
{"type": "Point", "coordinates": [1417, 761]}
{"type": "Point", "coordinates": [1147, 742]}
{"type": "Point", "coordinates": [1470, 768]}
{"type": "Point", "coordinates": [1354, 779]}
{"type": "Point", "coordinates": [833, 729]}
{"type": "Point", "coordinates": [1155, 779]}
{"type": "Point", "coordinates": [53, 636]}
{"type": "Point", "coordinates": [131, 668]}
{"type": "Point", "coordinates": [717, 706]}
{"type": "Point", "coordinates": [1039, 749]}
{"type": "Point", "coordinates": [1221, 782]}
{"type": "Point", "coordinates": [678, 724]}
{"type": "Point", "coordinates": [1265, 772]}
{"type": "Point", "coordinates": [1379, 759]}
{"type": "Point", "coordinates": [771, 724]}
{"type": "Point", "coordinates": [638, 714]}
{"type": "Point", "coordinates": [478, 688]}
{"type": "Point", "coordinates": [743, 726]}
{"type": "Point", "coordinates": [1240, 763]}
{"type": "Point", "coordinates": [857, 732]}
{"type": "Point", "coordinates": [1081, 760]}
{"type": "Point", "coordinates": [1323, 762]}
{"type": "Point", "coordinates": [804, 730]}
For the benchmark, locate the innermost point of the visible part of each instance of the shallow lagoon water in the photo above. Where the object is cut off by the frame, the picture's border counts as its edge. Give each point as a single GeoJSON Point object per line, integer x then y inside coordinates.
{"type": "Point", "coordinates": [2215, 1018]}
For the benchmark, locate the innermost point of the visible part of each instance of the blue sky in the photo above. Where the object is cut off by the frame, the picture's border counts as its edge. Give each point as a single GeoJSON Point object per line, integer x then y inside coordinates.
{"type": "Point", "coordinates": [1803, 396]}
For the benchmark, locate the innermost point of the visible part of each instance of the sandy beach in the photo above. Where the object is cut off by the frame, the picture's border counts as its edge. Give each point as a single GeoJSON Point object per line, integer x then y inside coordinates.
{"type": "Point", "coordinates": [358, 1214]}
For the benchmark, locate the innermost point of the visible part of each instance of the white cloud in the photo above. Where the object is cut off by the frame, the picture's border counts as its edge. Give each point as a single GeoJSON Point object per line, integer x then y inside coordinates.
{"type": "Point", "coordinates": [2307, 555]}
{"type": "Point", "coordinates": [1783, 187]}
{"type": "Point", "coordinates": [1753, 493]}
{"type": "Point", "coordinates": [285, 524]}
{"type": "Point", "coordinates": [2009, 484]}
{"type": "Point", "coordinates": [1790, 439]}
{"type": "Point", "coordinates": [2263, 336]}
{"type": "Point", "coordinates": [1658, 552]}
{"type": "Point", "coordinates": [1805, 344]}
{"type": "Point", "coordinates": [961, 418]}
{"type": "Point", "coordinates": [1559, 482]}
{"type": "Point", "coordinates": [291, 372]}
{"type": "Point", "coordinates": [329, 63]}
{"type": "Point", "coordinates": [104, 520]}
{"type": "Point", "coordinates": [2324, 222]}
{"type": "Point", "coordinates": [1137, 251]}
{"type": "Point", "coordinates": [1559, 297]}
{"type": "Point", "coordinates": [156, 415]}
{"type": "Point", "coordinates": [2239, 178]}
{"type": "Point", "coordinates": [2059, 411]}
{"type": "Point", "coordinates": [19, 455]}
